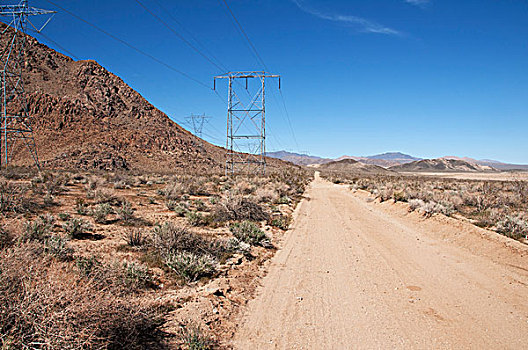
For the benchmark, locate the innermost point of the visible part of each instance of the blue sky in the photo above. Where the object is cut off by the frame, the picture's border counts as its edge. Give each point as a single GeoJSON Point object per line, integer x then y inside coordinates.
{"type": "Point", "coordinates": [429, 78]}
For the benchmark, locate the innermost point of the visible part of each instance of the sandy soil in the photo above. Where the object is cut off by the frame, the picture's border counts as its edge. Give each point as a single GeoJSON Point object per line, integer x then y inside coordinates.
{"type": "Point", "coordinates": [354, 273]}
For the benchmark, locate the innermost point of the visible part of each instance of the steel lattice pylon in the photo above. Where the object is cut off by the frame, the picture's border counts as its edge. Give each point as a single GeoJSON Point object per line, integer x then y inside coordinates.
{"type": "Point", "coordinates": [246, 122]}
{"type": "Point", "coordinates": [198, 122]}
{"type": "Point", "coordinates": [15, 122]}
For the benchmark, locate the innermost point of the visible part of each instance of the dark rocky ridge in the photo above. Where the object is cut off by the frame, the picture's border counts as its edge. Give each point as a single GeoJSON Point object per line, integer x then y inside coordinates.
{"type": "Point", "coordinates": [85, 117]}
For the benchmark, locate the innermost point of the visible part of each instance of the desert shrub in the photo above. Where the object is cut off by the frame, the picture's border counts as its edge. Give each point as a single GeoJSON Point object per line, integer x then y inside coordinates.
{"type": "Point", "coordinates": [190, 266]}
{"type": "Point", "coordinates": [172, 204]}
{"type": "Point", "coordinates": [266, 195]}
{"type": "Point", "coordinates": [399, 196]}
{"type": "Point", "coordinates": [77, 228]}
{"type": "Point", "coordinates": [37, 230]}
{"type": "Point", "coordinates": [243, 187]}
{"type": "Point", "coordinates": [6, 239]}
{"type": "Point", "coordinates": [284, 200]}
{"type": "Point", "coordinates": [239, 209]}
{"type": "Point", "coordinates": [385, 194]}
{"type": "Point", "coordinates": [49, 184]}
{"type": "Point", "coordinates": [81, 207]}
{"type": "Point", "coordinates": [181, 210]}
{"type": "Point", "coordinates": [12, 197]}
{"type": "Point", "coordinates": [17, 173]}
{"type": "Point", "coordinates": [57, 247]}
{"type": "Point", "coordinates": [64, 216]}
{"type": "Point", "coordinates": [101, 211]}
{"type": "Point", "coordinates": [200, 205]}
{"type": "Point", "coordinates": [415, 204]}
{"type": "Point", "coordinates": [173, 191]}
{"type": "Point", "coordinates": [430, 208]}
{"type": "Point", "coordinates": [88, 266]}
{"type": "Point", "coordinates": [445, 208]}
{"type": "Point", "coordinates": [282, 222]}
{"type": "Point", "coordinates": [249, 232]}
{"type": "Point", "coordinates": [197, 186]}
{"type": "Point", "coordinates": [135, 238]}
{"type": "Point", "coordinates": [513, 226]}
{"type": "Point", "coordinates": [196, 219]}
{"type": "Point", "coordinates": [170, 238]}
{"type": "Point", "coordinates": [234, 245]}
{"type": "Point", "coordinates": [194, 338]}
{"type": "Point", "coordinates": [49, 200]}
{"type": "Point", "coordinates": [45, 305]}
{"type": "Point", "coordinates": [136, 276]}
{"type": "Point", "coordinates": [125, 212]}
{"type": "Point", "coordinates": [126, 277]}
{"type": "Point", "coordinates": [105, 195]}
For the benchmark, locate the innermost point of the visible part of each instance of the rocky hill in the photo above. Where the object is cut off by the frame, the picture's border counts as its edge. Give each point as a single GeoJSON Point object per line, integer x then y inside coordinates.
{"type": "Point", "coordinates": [441, 165]}
{"type": "Point", "coordinates": [353, 166]}
{"type": "Point", "coordinates": [297, 158]}
{"type": "Point", "coordinates": [491, 163]}
{"type": "Point", "coordinates": [85, 117]}
{"type": "Point", "coordinates": [384, 160]}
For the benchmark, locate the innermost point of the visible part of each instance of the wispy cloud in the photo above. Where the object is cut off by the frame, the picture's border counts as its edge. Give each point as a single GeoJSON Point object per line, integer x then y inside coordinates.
{"type": "Point", "coordinates": [363, 25]}
{"type": "Point", "coordinates": [420, 3]}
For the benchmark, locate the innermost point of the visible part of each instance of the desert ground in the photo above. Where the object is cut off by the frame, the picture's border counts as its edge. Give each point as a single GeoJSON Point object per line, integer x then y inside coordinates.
{"type": "Point", "coordinates": [357, 273]}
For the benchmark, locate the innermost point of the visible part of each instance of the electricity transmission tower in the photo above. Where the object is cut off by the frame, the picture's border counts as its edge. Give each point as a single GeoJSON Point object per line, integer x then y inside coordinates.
{"type": "Point", "coordinates": [15, 122]}
{"type": "Point", "coordinates": [198, 122]}
{"type": "Point", "coordinates": [246, 121]}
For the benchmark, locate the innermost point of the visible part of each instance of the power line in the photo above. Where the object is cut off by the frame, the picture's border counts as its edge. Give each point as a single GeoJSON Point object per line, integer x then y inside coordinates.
{"type": "Point", "coordinates": [57, 45]}
{"type": "Point", "coordinates": [239, 27]}
{"type": "Point", "coordinates": [178, 35]}
{"type": "Point", "coordinates": [259, 59]}
{"type": "Point", "coordinates": [289, 120]}
{"type": "Point", "coordinates": [203, 47]}
{"type": "Point", "coordinates": [146, 54]}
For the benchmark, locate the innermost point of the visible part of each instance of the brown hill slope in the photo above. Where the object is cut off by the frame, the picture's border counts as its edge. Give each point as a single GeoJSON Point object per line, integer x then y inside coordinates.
{"type": "Point", "coordinates": [353, 166]}
{"type": "Point", "coordinates": [441, 165]}
{"type": "Point", "coordinates": [86, 117]}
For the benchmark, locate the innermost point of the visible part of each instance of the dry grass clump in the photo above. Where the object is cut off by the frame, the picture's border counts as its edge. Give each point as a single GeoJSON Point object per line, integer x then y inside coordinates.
{"type": "Point", "coordinates": [135, 238]}
{"type": "Point", "coordinates": [194, 338]}
{"type": "Point", "coordinates": [250, 233]}
{"type": "Point", "coordinates": [191, 266]}
{"type": "Point", "coordinates": [125, 212]}
{"type": "Point", "coordinates": [101, 211]}
{"type": "Point", "coordinates": [188, 254]}
{"type": "Point", "coordinates": [45, 304]}
{"type": "Point", "coordinates": [183, 185]}
{"type": "Point", "coordinates": [37, 230]}
{"type": "Point", "coordinates": [6, 239]}
{"type": "Point", "coordinates": [77, 228]}
{"type": "Point", "coordinates": [13, 197]}
{"type": "Point", "coordinates": [513, 226]}
{"type": "Point", "coordinates": [49, 184]}
{"type": "Point", "coordinates": [239, 208]}
{"type": "Point", "coordinates": [496, 205]}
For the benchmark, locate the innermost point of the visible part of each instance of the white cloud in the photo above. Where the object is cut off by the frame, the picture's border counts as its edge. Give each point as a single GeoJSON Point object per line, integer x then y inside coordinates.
{"type": "Point", "coordinates": [364, 25]}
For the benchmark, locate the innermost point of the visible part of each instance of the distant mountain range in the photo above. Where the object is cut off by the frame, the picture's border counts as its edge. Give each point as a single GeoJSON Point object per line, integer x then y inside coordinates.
{"type": "Point", "coordinates": [385, 159]}
{"type": "Point", "coordinates": [297, 158]}
{"type": "Point", "coordinates": [442, 165]}
{"type": "Point", "coordinates": [353, 166]}
{"type": "Point", "coordinates": [396, 159]}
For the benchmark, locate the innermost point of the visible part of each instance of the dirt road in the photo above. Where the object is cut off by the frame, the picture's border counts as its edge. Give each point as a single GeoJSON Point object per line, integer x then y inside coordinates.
{"type": "Point", "coordinates": [354, 274]}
